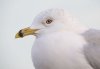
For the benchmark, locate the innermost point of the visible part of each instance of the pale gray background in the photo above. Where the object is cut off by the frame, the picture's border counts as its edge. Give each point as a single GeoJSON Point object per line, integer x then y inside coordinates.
{"type": "Point", "coordinates": [17, 14]}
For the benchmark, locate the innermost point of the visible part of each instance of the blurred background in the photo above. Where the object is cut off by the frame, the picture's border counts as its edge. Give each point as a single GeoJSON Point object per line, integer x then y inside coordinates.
{"type": "Point", "coordinates": [17, 14]}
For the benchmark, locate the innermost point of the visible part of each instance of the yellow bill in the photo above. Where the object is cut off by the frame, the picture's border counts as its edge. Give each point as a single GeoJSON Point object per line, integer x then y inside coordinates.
{"type": "Point", "coordinates": [26, 32]}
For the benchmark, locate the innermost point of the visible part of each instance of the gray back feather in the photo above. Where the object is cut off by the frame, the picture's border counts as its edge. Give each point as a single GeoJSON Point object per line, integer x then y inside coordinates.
{"type": "Point", "coordinates": [92, 49]}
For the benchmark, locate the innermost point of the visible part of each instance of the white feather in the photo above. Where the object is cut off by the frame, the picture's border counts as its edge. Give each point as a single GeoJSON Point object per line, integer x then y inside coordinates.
{"type": "Point", "coordinates": [59, 45]}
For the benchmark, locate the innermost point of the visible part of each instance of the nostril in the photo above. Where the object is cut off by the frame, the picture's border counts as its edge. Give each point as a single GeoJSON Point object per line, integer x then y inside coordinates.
{"type": "Point", "coordinates": [20, 33]}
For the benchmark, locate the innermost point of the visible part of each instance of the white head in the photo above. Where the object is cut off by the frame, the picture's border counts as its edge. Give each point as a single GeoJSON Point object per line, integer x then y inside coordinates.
{"type": "Point", "coordinates": [53, 20]}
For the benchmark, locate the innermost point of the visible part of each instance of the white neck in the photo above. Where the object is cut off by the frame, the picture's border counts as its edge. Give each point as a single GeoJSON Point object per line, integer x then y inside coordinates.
{"type": "Point", "coordinates": [77, 28]}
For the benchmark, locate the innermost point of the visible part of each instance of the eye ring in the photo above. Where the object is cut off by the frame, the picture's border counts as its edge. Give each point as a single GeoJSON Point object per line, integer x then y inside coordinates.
{"type": "Point", "coordinates": [49, 21]}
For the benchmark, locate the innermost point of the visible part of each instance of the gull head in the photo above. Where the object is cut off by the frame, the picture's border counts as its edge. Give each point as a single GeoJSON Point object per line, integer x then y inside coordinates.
{"type": "Point", "coordinates": [50, 21]}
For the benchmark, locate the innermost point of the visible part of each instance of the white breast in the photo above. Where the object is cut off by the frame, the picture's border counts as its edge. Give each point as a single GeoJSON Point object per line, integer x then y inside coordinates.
{"type": "Point", "coordinates": [59, 51]}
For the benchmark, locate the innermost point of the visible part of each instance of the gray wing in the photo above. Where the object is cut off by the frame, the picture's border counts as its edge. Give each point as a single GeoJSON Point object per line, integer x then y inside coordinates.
{"type": "Point", "coordinates": [92, 50]}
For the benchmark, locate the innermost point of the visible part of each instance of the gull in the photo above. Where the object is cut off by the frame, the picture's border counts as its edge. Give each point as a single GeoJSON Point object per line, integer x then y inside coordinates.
{"type": "Point", "coordinates": [62, 42]}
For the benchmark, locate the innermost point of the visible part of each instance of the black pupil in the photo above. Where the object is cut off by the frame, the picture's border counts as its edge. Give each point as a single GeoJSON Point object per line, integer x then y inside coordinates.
{"type": "Point", "coordinates": [48, 21]}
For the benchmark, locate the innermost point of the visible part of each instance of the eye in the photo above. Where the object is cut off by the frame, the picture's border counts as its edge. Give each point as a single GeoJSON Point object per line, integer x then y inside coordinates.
{"type": "Point", "coordinates": [49, 21]}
